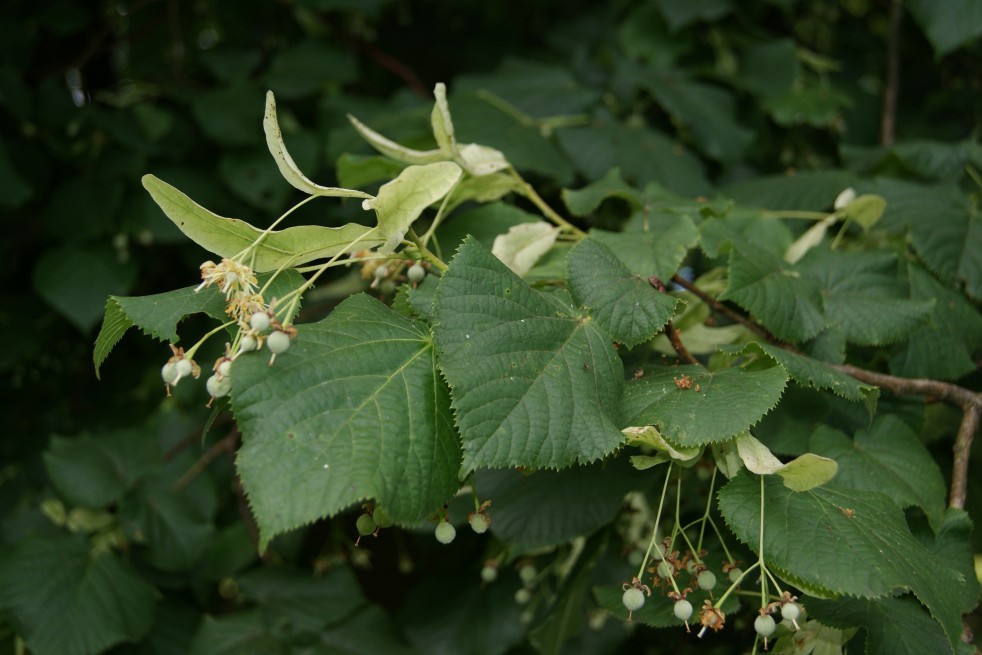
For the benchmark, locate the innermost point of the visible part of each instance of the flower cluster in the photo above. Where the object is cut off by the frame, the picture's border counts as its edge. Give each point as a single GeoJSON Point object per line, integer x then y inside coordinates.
{"type": "Point", "coordinates": [238, 283]}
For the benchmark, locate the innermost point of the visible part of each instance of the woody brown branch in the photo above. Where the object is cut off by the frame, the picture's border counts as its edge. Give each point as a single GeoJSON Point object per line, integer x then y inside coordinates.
{"type": "Point", "coordinates": [968, 401]}
{"type": "Point", "coordinates": [672, 332]}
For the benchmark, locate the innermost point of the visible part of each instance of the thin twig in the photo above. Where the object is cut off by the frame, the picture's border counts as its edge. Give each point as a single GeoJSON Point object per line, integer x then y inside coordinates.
{"type": "Point", "coordinates": [892, 90]}
{"type": "Point", "coordinates": [967, 400]}
{"type": "Point", "coordinates": [720, 308]}
{"type": "Point", "coordinates": [963, 449]}
{"type": "Point", "coordinates": [226, 444]}
{"type": "Point", "coordinates": [672, 332]}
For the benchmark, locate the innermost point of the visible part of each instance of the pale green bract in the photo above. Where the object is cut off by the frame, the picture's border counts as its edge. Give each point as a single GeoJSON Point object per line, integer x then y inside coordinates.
{"type": "Point", "coordinates": [228, 237]}
{"type": "Point", "coordinates": [800, 474]}
{"type": "Point", "coordinates": [523, 245]}
{"type": "Point", "coordinates": [288, 168]}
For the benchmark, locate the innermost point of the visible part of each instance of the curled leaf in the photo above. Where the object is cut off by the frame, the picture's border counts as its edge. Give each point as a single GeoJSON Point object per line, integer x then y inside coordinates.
{"type": "Point", "coordinates": [524, 244]}
{"type": "Point", "coordinates": [800, 474]}
{"type": "Point", "coordinates": [288, 168]}
{"type": "Point", "coordinates": [393, 150]}
{"type": "Point", "coordinates": [649, 436]}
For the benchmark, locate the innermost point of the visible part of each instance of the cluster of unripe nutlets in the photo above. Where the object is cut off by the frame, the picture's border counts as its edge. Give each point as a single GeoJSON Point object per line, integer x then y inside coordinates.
{"type": "Point", "coordinates": [263, 328]}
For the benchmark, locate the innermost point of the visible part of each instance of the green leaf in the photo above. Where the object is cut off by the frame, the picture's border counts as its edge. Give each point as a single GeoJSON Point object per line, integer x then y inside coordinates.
{"type": "Point", "coordinates": [158, 315]}
{"type": "Point", "coordinates": [894, 626]}
{"type": "Point", "coordinates": [815, 374]}
{"type": "Point", "coordinates": [307, 603]}
{"type": "Point", "coordinates": [954, 544]}
{"type": "Point", "coordinates": [361, 170]}
{"type": "Point", "coordinates": [482, 223]}
{"type": "Point", "coordinates": [401, 201]}
{"type": "Point", "coordinates": [64, 600]}
{"type": "Point", "coordinates": [943, 348]}
{"type": "Point", "coordinates": [96, 471]}
{"type": "Point", "coordinates": [887, 457]}
{"type": "Point", "coordinates": [173, 527]}
{"type": "Point", "coordinates": [806, 534]}
{"type": "Point", "coordinates": [708, 110]}
{"type": "Point", "coordinates": [862, 296]}
{"type": "Point", "coordinates": [355, 410]}
{"type": "Point", "coordinates": [288, 168]}
{"type": "Point", "coordinates": [566, 615]}
{"type": "Point", "coordinates": [949, 26]}
{"type": "Point", "coordinates": [950, 244]}
{"type": "Point", "coordinates": [479, 118]}
{"type": "Point", "coordinates": [76, 280]}
{"type": "Point", "coordinates": [524, 244]}
{"type": "Point", "coordinates": [236, 633]}
{"type": "Point", "coordinates": [643, 154]}
{"type": "Point", "coordinates": [534, 381]}
{"type": "Point", "coordinates": [464, 619]}
{"type": "Point", "coordinates": [530, 88]}
{"type": "Point", "coordinates": [584, 201]}
{"type": "Point", "coordinates": [310, 65]}
{"type": "Point", "coordinates": [768, 69]}
{"type": "Point", "coordinates": [546, 508]}
{"type": "Point", "coordinates": [652, 243]}
{"type": "Point", "coordinates": [778, 296]}
{"type": "Point", "coordinates": [369, 632]}
{"type": "Point", "coordinates": [693, 406]}
{"type": "Point", "coordinates": [812, 191]}
{"type": "Point", "coordinates": [228, 237]}
{"type": "Point", "coordinates": [679, 13]}
{"type": "Point", "coordinates": [623, 303]}
{"type": "Point", "coordinates": [800, 474]}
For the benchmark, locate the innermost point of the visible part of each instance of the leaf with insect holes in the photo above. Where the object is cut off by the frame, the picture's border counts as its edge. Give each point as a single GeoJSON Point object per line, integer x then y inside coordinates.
{"type": "Point", "coordinates": [228, 237]}
{"type": "Point", "coordinates": [355, 410]}
{"type": "Point", "coordinates": [535, 381]}
{"type": "Point", "coordinates": [841, 540]}
{"type": "Point", "coordinates": [694, 407]}
{"type": "Point", "coordinates": [288, 168]}
{"type": "Point", "coordinates": [623, 303]}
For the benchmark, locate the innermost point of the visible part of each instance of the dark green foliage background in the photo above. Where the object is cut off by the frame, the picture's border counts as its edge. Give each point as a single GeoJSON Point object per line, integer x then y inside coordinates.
{"type": "Point", "coordinates": [695, 96]}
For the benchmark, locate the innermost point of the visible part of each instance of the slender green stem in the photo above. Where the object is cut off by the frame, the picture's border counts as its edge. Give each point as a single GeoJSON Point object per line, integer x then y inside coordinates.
{"type": "Point", "coordinates": [298, 292]}
{"type": "Point", "coordinates": [760, 553]}
{"type": "Point", "coordinates": [735, 584]}
{"type": "Point", "coordinates": [529, 192]}
{"type": "Point", "coordinates": [678, 529]}
{"type": "Point", "coordinates": [654, 532]}
{"type": "Point", "coordinates": [719, 535]}
{"type": "Point", "coordinates": [440, 215]}
{"type": "Point", "coordinates": [425, 252]}
{"type": "Point", "coordinates": [190, 352]}
{"type": "Point", "coordinates": [709, 502]}
{"type": "Point", "coordinates": [974, 174]}
{"type": "Point", "coordinates": [255, 244]}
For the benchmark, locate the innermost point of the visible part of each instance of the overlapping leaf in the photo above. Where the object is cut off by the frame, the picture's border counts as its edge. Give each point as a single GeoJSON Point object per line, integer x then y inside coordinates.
{"type": "Point", "coordinates": [890, 458]}
{"type": "Point", "coordinates": [807, 534]}
{"type": "Point", "coordinates": [622, 302]}
{"type": "Point", "coordinates": [894, 626]}
{"type": "Point", "coordinates": [942, 348]}
{"type": "Point", "coordinates": [693, 406]}
{"type": "Point", "coordinates": [401, 201]}
{"type": "Point", "coordinates": [227, 237]}
{"type": "Point", "coordinates": [64, 600]}
{"type": "Point", "coordinates": [354, 410]}
{"type": "Point", "coordinates": [158, 315]}
{"type": "Point", "coordinates": [788, 304]}
{"type": "Point", "coordinates": [535, 382]}
{"type": "Point", "coordinates": [548, 507]}
{"type": "Point", "coordinates": [816, 374]}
